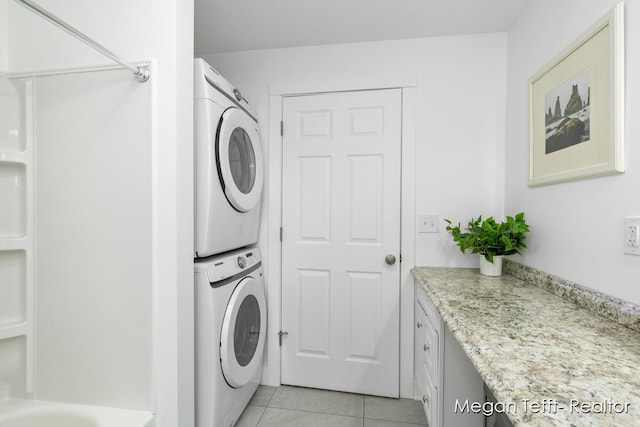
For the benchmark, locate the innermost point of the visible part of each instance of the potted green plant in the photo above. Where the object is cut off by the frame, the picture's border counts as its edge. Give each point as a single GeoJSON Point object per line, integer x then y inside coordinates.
{"type": "Point", "coordinates": [491, 240]}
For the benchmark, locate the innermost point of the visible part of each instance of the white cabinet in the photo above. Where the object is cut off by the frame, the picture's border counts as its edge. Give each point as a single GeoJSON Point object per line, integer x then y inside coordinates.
{"type": "Point", "coordinates": [428, 330]}
{"type": "Point", "coordinates": [444, 377]}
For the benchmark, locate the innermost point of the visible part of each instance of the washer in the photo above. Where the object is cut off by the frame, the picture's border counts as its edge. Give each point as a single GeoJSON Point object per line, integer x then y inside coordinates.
{"type": "Point", "coordinates": [229, 170]}
{"type": "Point", "coordinates": [230, 328]}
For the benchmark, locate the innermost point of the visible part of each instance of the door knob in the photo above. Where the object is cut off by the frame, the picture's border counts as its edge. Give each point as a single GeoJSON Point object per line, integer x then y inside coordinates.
{"type": "Point", "coordinates": [390, 259]}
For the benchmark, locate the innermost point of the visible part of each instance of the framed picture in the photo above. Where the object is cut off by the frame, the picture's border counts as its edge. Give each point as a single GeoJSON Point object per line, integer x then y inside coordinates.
{"type": "Point", "coordinates": [576, 107]}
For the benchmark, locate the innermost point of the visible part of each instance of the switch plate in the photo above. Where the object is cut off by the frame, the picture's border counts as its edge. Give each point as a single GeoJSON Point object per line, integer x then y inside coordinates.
{"type": "Point", "coordinates": [632, 235]}
{"type": "Point", "coordinates": [428, 223]}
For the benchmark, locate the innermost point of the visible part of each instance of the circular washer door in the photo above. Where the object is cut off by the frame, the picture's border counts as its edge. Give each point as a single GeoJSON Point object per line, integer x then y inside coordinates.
{"type": "Point", "coordinates": [243, 333]}
{"type": "Point", "coordinates": [239, 159]}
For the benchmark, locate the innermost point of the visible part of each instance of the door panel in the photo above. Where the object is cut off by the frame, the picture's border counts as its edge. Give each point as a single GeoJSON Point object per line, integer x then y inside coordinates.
{"type": "Point", "coordinates": [365, 196]}
{"type": "Point", "coordinates": [364, 312]}
{"type": "Point", "coordinates": [314, 291]}
{"type": "Point", "coordinates": [315, 195]}
{"type": "Point", "coordinates": [341, 217]}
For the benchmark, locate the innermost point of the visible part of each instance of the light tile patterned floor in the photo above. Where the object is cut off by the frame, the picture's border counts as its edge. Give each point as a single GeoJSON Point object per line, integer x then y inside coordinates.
{"type": "Point", "coordinates": [288, 406]}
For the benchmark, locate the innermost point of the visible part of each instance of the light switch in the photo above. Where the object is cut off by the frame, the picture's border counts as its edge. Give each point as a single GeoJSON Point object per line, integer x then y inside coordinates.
{"type": "Point", "coordinates": [632, 235]}
{"type": "Point", "coordinates": [428, 223]}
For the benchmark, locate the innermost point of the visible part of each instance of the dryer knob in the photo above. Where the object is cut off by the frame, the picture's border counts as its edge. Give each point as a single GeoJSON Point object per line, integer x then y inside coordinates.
{"type": "Point", "coordinates": [242, 262]}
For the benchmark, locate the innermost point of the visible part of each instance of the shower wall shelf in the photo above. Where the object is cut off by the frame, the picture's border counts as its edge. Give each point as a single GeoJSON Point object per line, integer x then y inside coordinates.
{"type": "Point", "coordinates": [13, 331]}
{"type": "Point", "coordinates": [8, 244]}
{"type": "Point", "coordinates": [7, 156]}
{"type": "Point", "coordinates": [16, 233]}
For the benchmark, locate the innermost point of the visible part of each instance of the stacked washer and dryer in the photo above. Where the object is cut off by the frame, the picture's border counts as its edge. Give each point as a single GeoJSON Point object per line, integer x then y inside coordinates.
{"type": "Point", "coordinates": [230, 304]}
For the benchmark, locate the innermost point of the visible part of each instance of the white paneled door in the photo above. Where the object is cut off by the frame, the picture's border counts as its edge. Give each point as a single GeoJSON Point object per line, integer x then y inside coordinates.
{"type": "Point", "coordinates": [341, 241]}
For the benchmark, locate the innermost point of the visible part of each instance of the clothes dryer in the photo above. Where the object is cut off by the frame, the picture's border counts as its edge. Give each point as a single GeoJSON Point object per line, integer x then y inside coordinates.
{"type": "Point", "coordinates": [229, 170]}
{"type": "Point", "coordinates": [230, 335]}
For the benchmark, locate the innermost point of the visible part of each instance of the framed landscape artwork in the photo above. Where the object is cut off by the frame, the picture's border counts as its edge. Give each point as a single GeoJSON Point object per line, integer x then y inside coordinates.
{"type": "Point", "coordinates": [576, 107]}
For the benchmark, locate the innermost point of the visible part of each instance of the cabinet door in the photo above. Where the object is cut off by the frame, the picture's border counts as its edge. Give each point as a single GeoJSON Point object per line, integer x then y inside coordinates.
{"type": "Point", "coordinates": [430, 398]}
{"type": "Point", "coordinates": [420, 325]}
{"type": "Point", "coordinates": [430, 349]}
{"type": "Point", "coordinates": [426, 356]}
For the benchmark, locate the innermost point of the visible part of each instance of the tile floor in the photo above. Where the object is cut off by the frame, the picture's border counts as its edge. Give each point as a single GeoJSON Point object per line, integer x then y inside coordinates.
{"type": "Point", "coordinates": [288, 406]}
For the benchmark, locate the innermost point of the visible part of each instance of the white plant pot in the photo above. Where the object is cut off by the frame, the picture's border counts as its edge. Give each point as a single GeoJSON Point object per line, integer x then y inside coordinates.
{"type": "Point", "coordinates": [491, 269]}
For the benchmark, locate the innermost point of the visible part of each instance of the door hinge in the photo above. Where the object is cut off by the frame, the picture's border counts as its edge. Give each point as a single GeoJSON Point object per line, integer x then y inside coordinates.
{"type": "Point", "coordinates": [280, 334]}
{"type": "Point", "coordinates": [400, 257]}
{"type": "Point", "coordinates": [281, 128]}
{"type": "Point", "coordinates": [281, 234]}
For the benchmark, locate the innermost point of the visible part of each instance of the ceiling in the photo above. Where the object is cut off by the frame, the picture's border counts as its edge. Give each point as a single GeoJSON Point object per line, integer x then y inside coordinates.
{"type": "Point", "coordinates": [237, 25]}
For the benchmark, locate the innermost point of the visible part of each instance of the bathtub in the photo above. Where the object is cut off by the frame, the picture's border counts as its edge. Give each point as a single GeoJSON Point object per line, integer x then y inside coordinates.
{"type": "Point", "coordinates": [34, 413]}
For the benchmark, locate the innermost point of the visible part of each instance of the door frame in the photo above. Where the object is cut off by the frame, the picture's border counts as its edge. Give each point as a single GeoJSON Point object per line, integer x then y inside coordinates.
{"type": "Point", "coordinates": [273, 263]}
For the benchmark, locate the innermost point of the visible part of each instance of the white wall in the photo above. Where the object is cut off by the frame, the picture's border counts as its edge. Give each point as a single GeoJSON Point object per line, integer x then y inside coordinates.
{"type": "Point", "coordinates": [37, 45]}
{"type": "Point", "coordinates": [460, 115]}
{"type": "Point", "coordinates": [93, 240]}
{"type": "Point", "coordinates": [577, 226]}
{"type": "Point", "coordinates": [159, 306]}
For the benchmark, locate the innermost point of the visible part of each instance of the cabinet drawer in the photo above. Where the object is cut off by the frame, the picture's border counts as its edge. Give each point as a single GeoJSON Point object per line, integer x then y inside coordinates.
{"type": "Point", "coordinates": [428, 307]}
{"type": "Point", "coordinates": [430, 347]}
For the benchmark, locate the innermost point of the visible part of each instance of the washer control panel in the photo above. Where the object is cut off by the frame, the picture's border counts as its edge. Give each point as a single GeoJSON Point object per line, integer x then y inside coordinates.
{"type": "Point", "coordinates": [226, 266]}
{"type": "Point", "coordinates": [241, 262]}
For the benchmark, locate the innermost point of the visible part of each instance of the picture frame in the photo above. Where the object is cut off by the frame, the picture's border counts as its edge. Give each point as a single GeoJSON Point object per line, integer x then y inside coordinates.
{"type": "Point", "coordinates": [576, 107]}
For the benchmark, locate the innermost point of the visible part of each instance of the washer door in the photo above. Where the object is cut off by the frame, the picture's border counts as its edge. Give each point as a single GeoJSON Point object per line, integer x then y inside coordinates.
{"type": "Point", "coordinates": [239, 159]}
{"type": "Point", "coordinates": [243, 333]}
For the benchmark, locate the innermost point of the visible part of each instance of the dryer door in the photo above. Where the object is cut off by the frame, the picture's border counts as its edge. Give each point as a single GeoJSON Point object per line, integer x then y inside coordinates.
{"type": "Point", "coordinates": [243, 333]}
{"type": "Point", "coordinates": [239, 159]}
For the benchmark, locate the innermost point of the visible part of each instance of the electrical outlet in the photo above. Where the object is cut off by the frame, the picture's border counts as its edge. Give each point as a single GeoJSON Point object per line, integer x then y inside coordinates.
{"type": "Point", "coordinates": [428, 223]}
{"type": "Point", "coordinates": [632, 235]}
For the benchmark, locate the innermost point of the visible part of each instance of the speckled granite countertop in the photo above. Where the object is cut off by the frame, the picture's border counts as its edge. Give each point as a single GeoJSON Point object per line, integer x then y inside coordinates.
{"type": "Point", "coordinates": [550, 362]}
